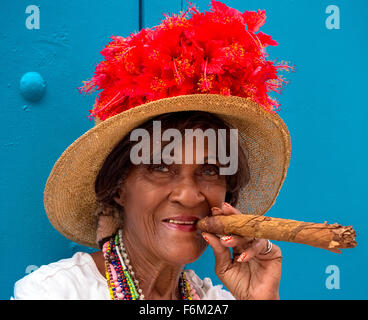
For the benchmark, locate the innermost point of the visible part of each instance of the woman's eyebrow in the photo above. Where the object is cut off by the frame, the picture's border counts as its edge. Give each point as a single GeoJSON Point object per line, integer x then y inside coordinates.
{"type": "Point", "coordinates": [211, 160]}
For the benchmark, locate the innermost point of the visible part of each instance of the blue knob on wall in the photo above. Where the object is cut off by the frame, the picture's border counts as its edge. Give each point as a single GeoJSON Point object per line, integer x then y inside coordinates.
{"type": "Point", "coordinates": [32, 86]}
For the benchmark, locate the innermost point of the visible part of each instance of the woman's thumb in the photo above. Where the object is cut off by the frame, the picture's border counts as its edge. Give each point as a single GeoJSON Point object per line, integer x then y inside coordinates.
{"type": "Point", "coordinates": [222, 254]}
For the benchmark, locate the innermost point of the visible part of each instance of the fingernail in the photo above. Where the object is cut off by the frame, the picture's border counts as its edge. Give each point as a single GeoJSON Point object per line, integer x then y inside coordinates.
{"type": "Point", "coordinates": [242, 257]}
{"type": "Point", "coordinates": [205, 238]}
{"type": "Point", "coordinates": [226, 204]}
{"type": "Point", "coordinates": [226, 238]}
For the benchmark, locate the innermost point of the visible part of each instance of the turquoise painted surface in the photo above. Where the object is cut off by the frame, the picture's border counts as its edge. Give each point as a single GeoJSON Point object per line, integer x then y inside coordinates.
{"type": "Point", "coordinates": [64, 51]}
{"type": "Point", "coordinates": [324, 108]}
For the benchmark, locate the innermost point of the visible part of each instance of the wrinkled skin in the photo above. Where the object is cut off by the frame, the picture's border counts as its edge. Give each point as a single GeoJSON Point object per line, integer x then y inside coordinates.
{"type": "Point", "coordinates": [158, 253]}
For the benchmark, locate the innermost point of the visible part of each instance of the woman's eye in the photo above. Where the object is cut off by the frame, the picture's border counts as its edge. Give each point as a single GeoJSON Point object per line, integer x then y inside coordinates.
{"type": "Point", "coordinates": [210, 170]}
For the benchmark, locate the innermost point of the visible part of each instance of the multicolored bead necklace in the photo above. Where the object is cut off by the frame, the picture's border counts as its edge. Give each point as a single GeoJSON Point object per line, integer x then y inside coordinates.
{"type": "Point", "coordinates": [120, 276]}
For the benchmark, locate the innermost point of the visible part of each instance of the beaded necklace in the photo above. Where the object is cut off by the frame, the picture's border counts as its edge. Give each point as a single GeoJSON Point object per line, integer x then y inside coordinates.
{"type": "Point", "coordinates": [121, 278]}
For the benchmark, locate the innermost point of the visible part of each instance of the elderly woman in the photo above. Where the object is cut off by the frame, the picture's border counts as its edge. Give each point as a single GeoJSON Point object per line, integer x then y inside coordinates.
{"type": "Point", "coordinates": [142, 215]}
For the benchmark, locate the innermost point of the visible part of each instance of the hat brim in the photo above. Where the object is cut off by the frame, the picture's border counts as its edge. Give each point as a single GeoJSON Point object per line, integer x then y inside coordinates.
{"type": "Point", "coordinates": [69, 195]}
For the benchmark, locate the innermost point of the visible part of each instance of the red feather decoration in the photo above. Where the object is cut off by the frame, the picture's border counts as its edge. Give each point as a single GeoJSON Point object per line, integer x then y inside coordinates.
{"type": "Point", "coordinates": [216, 52]}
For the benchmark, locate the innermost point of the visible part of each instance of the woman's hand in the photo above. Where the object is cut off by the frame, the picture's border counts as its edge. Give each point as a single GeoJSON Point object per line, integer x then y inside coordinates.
{"type": "Point", "coordinates": [251, 275]}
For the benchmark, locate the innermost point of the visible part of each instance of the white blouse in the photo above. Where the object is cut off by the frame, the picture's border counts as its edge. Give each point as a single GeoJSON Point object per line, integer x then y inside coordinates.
{"type": "Point", "coordinates": [78, 278]}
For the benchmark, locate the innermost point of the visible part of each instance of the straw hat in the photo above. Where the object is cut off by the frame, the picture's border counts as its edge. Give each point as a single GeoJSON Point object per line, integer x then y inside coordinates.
{"type": "Point", "coordinates": [233, 84]}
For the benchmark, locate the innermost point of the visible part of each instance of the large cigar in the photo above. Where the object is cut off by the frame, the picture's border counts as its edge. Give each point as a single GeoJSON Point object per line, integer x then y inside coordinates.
{"type": "Point", "coordinates": [331, 237]}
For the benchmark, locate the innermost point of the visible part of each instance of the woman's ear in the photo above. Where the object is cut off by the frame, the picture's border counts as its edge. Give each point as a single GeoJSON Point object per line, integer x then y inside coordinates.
{"type": "Point", "coordinates": [121, 198]}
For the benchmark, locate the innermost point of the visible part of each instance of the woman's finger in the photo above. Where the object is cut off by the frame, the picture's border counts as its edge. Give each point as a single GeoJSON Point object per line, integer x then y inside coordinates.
{"type": "Point", "coordinates": [236, 241]}
{"type": "Point", "coordinates": [216, 211]}
{"type": "Point", "coordinates": [225, 209]}
{"type": "Point", "coordinates": [257, 247]}
{"type": "Point", "coordinates": [229, 209]}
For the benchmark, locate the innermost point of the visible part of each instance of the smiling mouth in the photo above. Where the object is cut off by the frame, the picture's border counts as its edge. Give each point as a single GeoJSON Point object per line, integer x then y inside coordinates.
{"type": "Point", "coordinates": [181, 223]}
{"type": "Point", "coordinates": [193, 222]}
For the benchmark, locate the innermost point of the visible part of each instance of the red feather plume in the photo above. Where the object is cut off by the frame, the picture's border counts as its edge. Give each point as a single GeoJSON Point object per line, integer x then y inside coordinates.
{"type": "Point", "coordinates": [217, 51]}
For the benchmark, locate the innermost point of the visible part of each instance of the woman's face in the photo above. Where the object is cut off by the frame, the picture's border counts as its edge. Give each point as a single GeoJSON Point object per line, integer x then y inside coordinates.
{"type": "Point", "coordinates": [153, 195]}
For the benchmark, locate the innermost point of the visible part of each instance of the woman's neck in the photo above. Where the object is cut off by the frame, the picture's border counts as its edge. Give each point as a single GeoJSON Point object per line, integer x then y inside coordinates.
{"type": "Point", "coordinates": [158, 280]}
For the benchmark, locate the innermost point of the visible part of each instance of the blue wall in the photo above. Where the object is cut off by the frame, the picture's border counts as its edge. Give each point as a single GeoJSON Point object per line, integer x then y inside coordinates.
{"type": "Point", "coordinates": [323, 106]}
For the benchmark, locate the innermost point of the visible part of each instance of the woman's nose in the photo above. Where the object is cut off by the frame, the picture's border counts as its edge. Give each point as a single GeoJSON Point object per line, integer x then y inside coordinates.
{"type": "Point", "coordinates": [187, 192]}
